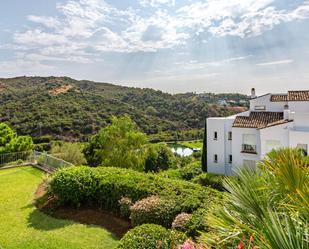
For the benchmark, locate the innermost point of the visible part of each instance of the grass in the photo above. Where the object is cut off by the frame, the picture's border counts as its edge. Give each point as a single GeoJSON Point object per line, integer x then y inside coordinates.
{"type": "Point", "coordinates": [198, 144]}
{"type": "Point", "coordinates": [22, 226]}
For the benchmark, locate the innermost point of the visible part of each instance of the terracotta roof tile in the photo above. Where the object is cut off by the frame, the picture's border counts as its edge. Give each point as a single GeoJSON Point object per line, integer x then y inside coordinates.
{"type": "Point", "coordinates": [258, 119]}
{"type": "Point", "coordinates": [291, 96]}
{"type": "Point", "coordinates": [298, 95]}
{"type": "Point", "coordinates": [279, 98]}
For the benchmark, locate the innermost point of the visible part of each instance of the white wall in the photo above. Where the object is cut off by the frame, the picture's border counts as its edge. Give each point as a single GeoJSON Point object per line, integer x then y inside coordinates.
{"type": "Point", "coordinates": [222, 146]}
{"type": "Point", "coordinates": [299, 106]}
{"type": "Point", "coordinates": [298, 137]}
{"type": "Point", "coordinates": [238, 156]}
{"type": "Point", "coordinates": [265, 101]}
{"type": "Point", "coordinates": [278, 133]}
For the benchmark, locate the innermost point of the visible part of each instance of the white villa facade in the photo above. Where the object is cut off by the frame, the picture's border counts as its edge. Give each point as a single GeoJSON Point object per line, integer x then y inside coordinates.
{"type": "Point", "coordinates": [273, 121]}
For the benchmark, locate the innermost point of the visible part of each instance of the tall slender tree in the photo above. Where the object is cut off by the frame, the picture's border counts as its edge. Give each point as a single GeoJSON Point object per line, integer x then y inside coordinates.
{"type": "Point", "coordinates": [204, 151]}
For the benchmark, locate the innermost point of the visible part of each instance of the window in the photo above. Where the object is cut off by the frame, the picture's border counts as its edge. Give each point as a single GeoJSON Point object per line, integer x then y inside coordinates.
{"type": "Point", "coordinates": [230, 135]}
{"type": "Point", "coordinates": [215, 158]}
{"type": "Point", "coordinates": [230, 158]}
{"type": "Point", "coordinates": [249, 143]}
{"type": "Point", "coordinates": [215, 135]}
{"type": "Point", "coordinates": [260, 108]}
{"type": "Point", "coordinates": [303, 147]}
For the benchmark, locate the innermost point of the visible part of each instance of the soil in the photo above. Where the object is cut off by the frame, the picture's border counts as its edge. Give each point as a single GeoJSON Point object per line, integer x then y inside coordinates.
{"type": "Point", "coordinates": [61, 89]}
{"type": "Point", "coordinates": [84, 215]}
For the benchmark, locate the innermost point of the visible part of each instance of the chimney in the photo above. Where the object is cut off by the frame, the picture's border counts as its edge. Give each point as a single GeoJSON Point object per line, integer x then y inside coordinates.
{"type": "Point", "coordinates": [253, 93]}
{"type": "Point", "coordinates": [286, 112]}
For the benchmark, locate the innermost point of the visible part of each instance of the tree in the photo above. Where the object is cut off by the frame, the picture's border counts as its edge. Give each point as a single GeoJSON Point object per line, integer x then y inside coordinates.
{"type": "Point", "coordinates": [10, 142]}
{"type": "Point", "coordinates": [120, 144]}
{"type": "Point", "coordinates": [70, 152]}
{"type": "Point", "coordinates": [159, 157]}
{"type": "Point", "coordinates": [266, 208]}
{"type": "Point", "coordinates": [204, 150]}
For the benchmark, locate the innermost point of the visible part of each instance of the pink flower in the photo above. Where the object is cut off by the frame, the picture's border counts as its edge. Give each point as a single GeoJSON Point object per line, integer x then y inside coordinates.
{"type": "Point", "coordinates": [187, 245]}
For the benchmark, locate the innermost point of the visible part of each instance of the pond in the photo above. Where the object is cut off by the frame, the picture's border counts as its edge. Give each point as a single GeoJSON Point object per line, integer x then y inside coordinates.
{"type": "Point", "coordinates": [182, 150]}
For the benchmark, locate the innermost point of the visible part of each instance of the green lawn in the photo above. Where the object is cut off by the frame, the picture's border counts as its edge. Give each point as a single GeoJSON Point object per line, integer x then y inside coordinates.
{"type": "Point", "coordinates": [23, 226]}
{"type": "Point", "coordinates": [198, 144]}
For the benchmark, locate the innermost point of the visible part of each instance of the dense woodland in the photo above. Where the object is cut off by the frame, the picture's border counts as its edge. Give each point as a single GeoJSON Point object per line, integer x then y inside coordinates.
{"type": "Point", "coordinates": [73, 110]}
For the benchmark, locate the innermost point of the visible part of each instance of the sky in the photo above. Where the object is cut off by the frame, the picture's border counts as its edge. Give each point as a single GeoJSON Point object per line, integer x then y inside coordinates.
{"type": "Point", "coordinates": [171, 45]}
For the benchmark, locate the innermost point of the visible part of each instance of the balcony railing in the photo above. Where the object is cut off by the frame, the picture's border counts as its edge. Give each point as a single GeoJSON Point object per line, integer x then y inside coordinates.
{"type": "Point", "coordinates": [249, 148]}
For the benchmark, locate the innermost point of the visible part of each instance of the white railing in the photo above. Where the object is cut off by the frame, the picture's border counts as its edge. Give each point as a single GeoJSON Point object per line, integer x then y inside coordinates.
{"type": "Point", "coordinates": [46, 161]}
{"type": "Point", "coordinates": [16, 158]}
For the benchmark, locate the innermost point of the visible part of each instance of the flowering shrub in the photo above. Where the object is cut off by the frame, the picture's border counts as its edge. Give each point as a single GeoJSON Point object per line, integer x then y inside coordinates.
{"type": "Point", "coordinates": [154, 210]}
{"type": "Point", "coordinates": [151, 236]}
{"type": "Point", "coordinates": [125, 205]}
{"type": "Point", "coordinates": [190, 245]}
{"type": "Point", "coordinates": [181, 221]}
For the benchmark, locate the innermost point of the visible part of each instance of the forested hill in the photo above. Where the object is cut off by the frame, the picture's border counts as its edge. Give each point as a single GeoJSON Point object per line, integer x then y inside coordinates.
{"type": "Point", "coordinates": [67, 108]}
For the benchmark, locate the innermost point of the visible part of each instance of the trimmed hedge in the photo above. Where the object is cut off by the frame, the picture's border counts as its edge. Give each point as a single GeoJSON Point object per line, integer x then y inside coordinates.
{"type": "Point", "coordinates": [154, 210]}
{"type": "Point", "coordinates": [210, 180]}
{"type": "Point", "coordinates": [105, 186]}
{"type": "Point", "coordinates": [150, 236]}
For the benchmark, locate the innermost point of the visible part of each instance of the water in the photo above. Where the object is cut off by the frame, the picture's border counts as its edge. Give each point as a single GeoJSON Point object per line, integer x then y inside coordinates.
{"type": "Point", "coordinates": [181, 150]}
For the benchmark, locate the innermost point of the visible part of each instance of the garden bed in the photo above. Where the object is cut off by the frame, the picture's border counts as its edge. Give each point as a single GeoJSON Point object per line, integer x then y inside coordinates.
{"type": "Point", "coordinates": [84, 215]}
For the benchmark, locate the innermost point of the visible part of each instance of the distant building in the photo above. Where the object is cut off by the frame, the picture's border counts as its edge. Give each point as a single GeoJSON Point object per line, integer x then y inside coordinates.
{"type": "Point", "coordinates": [273, 121]}
{"type": "Point", "coordinates": [222, 102]}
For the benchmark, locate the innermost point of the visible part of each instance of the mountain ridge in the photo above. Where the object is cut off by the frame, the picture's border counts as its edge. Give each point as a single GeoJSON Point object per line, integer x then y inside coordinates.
{"type": "Point", "coordinates": [75, 109]}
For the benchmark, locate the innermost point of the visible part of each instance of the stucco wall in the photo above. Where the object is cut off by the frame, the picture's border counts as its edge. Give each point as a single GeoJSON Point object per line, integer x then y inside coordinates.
{"type": "Point", "coordinates": [279, 133]}
{"type": "Point", "coordinates": [265, 101]}
{"type": "Point", "coordinates": [238, 156]}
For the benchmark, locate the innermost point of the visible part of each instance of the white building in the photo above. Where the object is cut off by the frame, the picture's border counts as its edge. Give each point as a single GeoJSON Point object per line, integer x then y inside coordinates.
{"type": "Point", "coordinates": [273, 121]}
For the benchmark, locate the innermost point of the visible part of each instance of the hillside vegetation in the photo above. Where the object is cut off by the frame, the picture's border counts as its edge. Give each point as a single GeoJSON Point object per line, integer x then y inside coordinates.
{"type": "Point", "coordinates": [69, 109]}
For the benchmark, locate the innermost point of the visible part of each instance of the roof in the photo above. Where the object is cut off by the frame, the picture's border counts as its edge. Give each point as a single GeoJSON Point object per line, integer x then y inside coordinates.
{"type": "Point", "coordinates": [291, 96]}
{"type": "Point", "coordinates": [258, 120]}
{"type": "Point", "coordinates": [279, 98]}
{"type": "Point", "coordinates": [280, 122]}
{"type": "Point", "coordinates": [298, 95]}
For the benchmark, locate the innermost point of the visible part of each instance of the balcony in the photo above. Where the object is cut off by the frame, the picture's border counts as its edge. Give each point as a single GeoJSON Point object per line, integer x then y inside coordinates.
{"type": "Point", "coordinates": [248, 148]}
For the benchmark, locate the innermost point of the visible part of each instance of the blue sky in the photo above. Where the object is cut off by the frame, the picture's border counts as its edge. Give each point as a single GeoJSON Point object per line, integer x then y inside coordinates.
{"type": "Point", "coordinates": [171, 45]}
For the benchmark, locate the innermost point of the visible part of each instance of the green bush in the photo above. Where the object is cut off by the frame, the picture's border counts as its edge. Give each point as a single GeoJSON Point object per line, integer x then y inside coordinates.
{"type": "Point", "coordinates": [151, 236]}
{"type": "Point", "coordinates": [197, 223]}
{"type": "Point", "coordinates": [154, 210]}
{"type": "Point", "coordinates": [159, 157]}
{"type": "Point", "coordinates": [106, 186]}
{"type": "Point", "coordinates": [210, 180]}
{"type": "Point", "coordinates": [190, 171]}
{"type": "Point", "coordinates": [125, 204]}
{"type": "Point", "coordinates": [75, 185]}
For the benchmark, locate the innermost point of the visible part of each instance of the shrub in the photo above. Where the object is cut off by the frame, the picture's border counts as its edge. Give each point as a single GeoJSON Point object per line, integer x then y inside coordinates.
{"type": "Point", "coordinates": [181, 221]}
{"type": "Point", "coordinates": [159, 157]}
{"type": "Point", "coordinates": [125, 204]}
{"type": "Point", "coordinates": [70, 152]}
{"type": "Point", "coordinates": [151, 236]}
{"type": "Point", "coordinates": [106, 186]}
{"type": "Point", "coordinates": [197, 223]}
{"type": "Point", "coordinates": [210, 180]}
{"type": "Point", "coordinates": [75, 185]}
{"type": "Point", "coordinates": [154, 210]}
{"type": "Point", "coordinates": [190, 171]}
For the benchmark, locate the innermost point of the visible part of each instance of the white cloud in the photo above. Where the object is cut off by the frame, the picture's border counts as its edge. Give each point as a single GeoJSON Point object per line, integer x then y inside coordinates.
{"type": "Point", "coordinates": [88, 28]}
{"type": "Point", "coordinates": [156, 3]}
{"type": "Point", "coordinates": [238, 18]}
{"type": "Point", "coordinates": [273, 63]}
{"type": "Point", "coordinates": [47, 21]}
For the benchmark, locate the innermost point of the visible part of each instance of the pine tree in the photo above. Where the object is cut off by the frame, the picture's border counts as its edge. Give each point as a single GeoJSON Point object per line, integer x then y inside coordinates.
{"type": "Point", "coordinates": [204, 151]}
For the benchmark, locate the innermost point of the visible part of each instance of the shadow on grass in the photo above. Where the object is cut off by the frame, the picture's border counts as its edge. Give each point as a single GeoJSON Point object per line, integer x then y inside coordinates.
{"type": "Point", "coordinates": [41, 221]}
{"type": "Point", "coordinates": [44, 222]}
